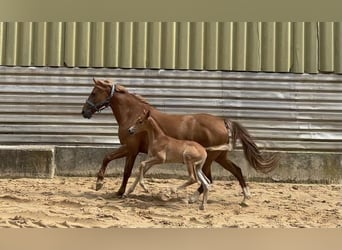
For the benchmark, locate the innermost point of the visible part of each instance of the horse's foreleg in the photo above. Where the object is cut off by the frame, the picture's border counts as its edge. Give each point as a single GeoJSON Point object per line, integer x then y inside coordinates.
{"type": "Point", "coordinates": [127, 172]}
{"type": "Point", "coordinates": [137, 179]}
{"type": "Point", "coordinates": [236, 171]}
{"type": "Point", "coordinates": [119, 153]}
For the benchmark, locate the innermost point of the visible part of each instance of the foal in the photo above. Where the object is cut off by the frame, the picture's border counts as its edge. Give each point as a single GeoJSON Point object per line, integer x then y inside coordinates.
{"type": "Point", "coordinates": [165, 149]}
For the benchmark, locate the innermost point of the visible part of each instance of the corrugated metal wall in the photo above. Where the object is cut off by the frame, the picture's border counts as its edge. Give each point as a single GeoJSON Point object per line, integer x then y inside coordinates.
{"type": "Point", "coordinates": [297, 47]}
{"type": "Point", "coordinates": [282, 111]}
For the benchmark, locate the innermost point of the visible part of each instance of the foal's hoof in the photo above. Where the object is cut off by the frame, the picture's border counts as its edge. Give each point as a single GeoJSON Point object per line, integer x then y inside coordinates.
{"type": "Point", "coordinates": [243, 204]}
{"type": "Point", "coordinates": [99, 185]}
{"type": "Point", "coordinates": [193, 198]}
{"type": "Point", "coordinates": [202, 207]}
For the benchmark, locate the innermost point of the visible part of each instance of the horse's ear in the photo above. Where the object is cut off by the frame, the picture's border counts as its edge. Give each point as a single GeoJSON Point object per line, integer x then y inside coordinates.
{"type": "Point", "coordinates": [120, 88]}
{"type": "Point", "coordinates": [146, 113]}
{"type": "Point", "coordinates": [102, 84]}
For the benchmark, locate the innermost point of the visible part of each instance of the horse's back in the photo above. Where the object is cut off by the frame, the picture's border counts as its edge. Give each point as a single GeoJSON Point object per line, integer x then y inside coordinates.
{"type": "Point", "coordinates": [206, 129]}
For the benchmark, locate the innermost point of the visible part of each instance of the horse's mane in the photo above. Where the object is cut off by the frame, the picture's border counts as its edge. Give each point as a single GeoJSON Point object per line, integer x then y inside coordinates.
{"type": "Point", "coordinates": [121, 89]}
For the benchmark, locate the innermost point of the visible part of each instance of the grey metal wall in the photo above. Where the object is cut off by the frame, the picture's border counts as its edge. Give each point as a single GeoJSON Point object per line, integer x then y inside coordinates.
{"type": "Point", "coordinates": [299, 47]}
{"type": "Point", "coordinates": [282, 111]}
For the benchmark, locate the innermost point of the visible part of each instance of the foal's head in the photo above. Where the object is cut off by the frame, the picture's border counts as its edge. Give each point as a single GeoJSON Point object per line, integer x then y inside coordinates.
{"type": "Point", "coordinates": [99, 98]}
{"type": "Point", "coordinates": [141, 123]}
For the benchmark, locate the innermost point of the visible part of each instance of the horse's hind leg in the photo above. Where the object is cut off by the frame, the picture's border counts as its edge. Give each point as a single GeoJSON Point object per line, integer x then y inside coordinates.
{"type": "Point", "coordinates": [119, 153]}
{"type": "Point", "coordinates": [236, 171]}
{"type": "Point", "coordinates": [192, 175]}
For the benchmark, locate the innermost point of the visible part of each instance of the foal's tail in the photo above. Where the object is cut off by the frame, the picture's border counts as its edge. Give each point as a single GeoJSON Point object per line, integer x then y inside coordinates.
{"type": "Point", "coordinates": [257, 160]}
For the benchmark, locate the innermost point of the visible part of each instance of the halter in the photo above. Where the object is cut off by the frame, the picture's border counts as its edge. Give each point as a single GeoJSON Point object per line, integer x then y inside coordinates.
{"type": "Point", "coordinates": [104, 104]}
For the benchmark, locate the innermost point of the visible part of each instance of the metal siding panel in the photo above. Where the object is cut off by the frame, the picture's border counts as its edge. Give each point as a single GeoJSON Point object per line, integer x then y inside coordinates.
{"type": "Point", "coordinates": [211, 46]}
{"type": "Point", "coordinates": [338, 47]}
{"type": "Point", "coordinates": [168, 45]}
{"type": "Point", "coordinates": [281, 111]}
{"type": "Point", "coordinates": [125, 44]}
{"type": "Point", "coordinates": [298, 48]}
{"type": "Point", "coordinates": [111, 46]}
{"type": "Point", "coordinates": [239, 46]}
{"type": "Point", "coordinates": [183, 45]}
{"type": "Point", "coordinates": [2, 42]}
{"type": "Point", "coordinates": [11, 43]}
{"type": "Point", "coordinates": [253, 48]}
{"type": "Point", "coordinates": [54, 44]}
{"type": "Point", "coordinates": [83, 44]}
{"type": "Point", "coordinates": [154, 45]}
{"type": "Point", "coordinates": [139, 44]}
{"type": "Point", "coordinates": [283, 46]}
{"type": "Point", "coordinates": [268, 46]}
{"type": "Point", "coordinates": [39, 43]}
{"type": "Point", "coordinates": [24, 43]}
{"type": "Point", "coordinates": [70, 44]}
{"type": "Point", "coordinates": [97, 44]}
{"type": "Point", "coordinates": [311, 47]}
{"type": "Point", "coordinates": [225, 55]}
{"type": "Point", "coordinates": [326, 47]}
{"type": "Point", "coordinates": [196, 45]}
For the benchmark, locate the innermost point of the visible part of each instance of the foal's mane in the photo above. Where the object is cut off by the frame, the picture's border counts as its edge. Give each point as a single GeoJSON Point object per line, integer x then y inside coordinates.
{"type": "Point", "coordinates": [121, 89]}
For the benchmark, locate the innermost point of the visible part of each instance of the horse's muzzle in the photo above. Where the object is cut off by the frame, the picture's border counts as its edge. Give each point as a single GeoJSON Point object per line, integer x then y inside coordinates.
{"type": "Point", "coordinates": [131, 131]}
{"type": "Point", "coordinates": [87, 114]}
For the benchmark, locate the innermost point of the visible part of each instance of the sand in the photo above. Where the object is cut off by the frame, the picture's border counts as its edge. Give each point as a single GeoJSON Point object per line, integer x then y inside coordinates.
{"type": "Point", "coordinates": [72, 202]}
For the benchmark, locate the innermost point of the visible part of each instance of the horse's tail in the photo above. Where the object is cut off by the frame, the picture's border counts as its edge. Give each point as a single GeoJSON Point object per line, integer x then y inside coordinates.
{"type": "Point", "coordinates": [258, 161]}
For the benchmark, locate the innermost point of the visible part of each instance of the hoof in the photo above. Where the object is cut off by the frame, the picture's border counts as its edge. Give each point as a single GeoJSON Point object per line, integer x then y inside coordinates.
{"type": "Point", "coordinates": [99, 185]}
{"type": "Point", "coordinates": [201, 207]}
{"type": "Point", "coordinates": [243, 204]}
{"type": "Point", "coordinates": [194, 197]}
{"type": "Point", "coordinates": [173, 190]}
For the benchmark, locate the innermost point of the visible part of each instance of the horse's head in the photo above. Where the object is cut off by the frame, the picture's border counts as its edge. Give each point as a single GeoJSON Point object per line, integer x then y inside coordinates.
{"type": "Point", "coordinates": [99, 98]}
{"type": "Point", "coordinates": [140, 123]}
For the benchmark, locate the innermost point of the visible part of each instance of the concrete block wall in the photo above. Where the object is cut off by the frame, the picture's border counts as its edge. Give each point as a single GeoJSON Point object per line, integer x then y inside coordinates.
{"type": "Point", "coordinates": [49, 161]}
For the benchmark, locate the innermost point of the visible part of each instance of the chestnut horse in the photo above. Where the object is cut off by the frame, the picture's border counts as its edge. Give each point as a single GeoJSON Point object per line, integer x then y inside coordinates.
{"type": "Point", "coordinates": [208, 130]}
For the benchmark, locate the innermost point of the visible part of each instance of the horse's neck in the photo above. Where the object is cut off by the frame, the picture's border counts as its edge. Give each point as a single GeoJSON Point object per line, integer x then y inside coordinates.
{"type": "Point", "coordinates": [125, 108]}
{"type": "Point", "coordinates": [154, 131]}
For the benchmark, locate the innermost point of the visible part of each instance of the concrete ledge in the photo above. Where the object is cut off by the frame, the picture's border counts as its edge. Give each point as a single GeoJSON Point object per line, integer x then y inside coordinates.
{"type": "Point", "coordinates": [46, 161]}
{"type": "Point", "coordinates": [27, 161]}
{"type": "Point", "coordinates": [300, 167]}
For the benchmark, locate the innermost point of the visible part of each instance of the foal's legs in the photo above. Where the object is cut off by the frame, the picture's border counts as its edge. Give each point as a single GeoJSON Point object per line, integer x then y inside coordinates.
{"type": "Point", "coordinates": [119, 153]}
{"type": "Point", "coordinates": [140, 177]}
{"type": "Point", "coordinates": [205, 183]}
{"type": "Point", "coordinates": [207, 172]}
{"type": "Point", "coordinates": [192, 175]}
